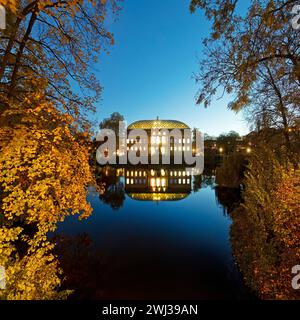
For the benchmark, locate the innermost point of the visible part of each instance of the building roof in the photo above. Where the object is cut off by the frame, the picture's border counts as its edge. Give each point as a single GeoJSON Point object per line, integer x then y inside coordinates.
{"type": "Point", "coordinates": [158, 124]}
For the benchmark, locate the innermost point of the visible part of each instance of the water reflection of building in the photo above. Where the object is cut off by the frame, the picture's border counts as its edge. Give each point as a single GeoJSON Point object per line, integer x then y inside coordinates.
{"type": "Point", "coordinates": [163, 184]}
{"type": "Point", "coordinates": [157, 139]}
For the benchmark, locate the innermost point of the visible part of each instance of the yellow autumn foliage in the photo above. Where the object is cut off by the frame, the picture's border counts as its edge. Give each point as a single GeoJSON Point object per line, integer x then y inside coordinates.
{"type": "Point", "coordinates": [265, 231]}
{"type": "Point", "coordinates": [44, 175]}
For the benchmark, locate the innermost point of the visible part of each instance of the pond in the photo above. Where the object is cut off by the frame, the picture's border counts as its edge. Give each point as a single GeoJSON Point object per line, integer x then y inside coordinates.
{"type": "Point", "coordinates": [156, 233]}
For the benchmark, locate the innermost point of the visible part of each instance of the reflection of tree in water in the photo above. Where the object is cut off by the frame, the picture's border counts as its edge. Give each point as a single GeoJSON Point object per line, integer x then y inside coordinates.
{"type": "Point", "coordinates": [229, 198]}
{"type": "Point", "coordinates": [113, 190]}
{"type": "Point", "coordinates": [208, 181]}
{"type": "Point", "coordinates": [81, 266]}
{"type": "Point", "coordinates": [197, 183]}
{"type": "Point", "coordinates": [203, 181]}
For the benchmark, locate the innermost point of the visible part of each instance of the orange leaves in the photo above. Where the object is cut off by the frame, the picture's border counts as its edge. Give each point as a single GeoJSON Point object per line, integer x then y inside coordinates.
{"type": "Point", "coordinates": [9, 4]}
{"type": "Point", "coordinates": [266, 229]}
{"type": "Point", "coordinates": [44, 175]}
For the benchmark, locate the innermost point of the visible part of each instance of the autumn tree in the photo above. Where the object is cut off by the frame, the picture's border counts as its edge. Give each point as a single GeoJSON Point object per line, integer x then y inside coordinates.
{"type": "Point", "coordinates": [54, 45]}
{"type": "Point", "coordinates": [251, 57]}
{"type": "Point", "coordinates": [44, 178]}
{"type": "Point", "coordinates": [47, 88]}
{"type": "Point", "coordinates": [274, 103]}
{"type": "Point", "coordinates": [265, 231]}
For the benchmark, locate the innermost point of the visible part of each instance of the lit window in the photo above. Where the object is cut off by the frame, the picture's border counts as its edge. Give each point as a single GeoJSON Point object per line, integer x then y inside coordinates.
{"type": "Point", "coordinates": [163, 182]}
{"type": "Point", "coordinates": [152, 182]}
{"type": "Point", "coordinates": [183, 181]}
{"type": "Point", "coordinates": [128, 181]}
{"type": "Point", "coordinates": [132, 181]}
{"type": "Point", "coordinates": [179, 173]}
{"type": "Point", "coordinates": [188, 181]}
{"type": "Point", "coordinates": [179, 181]}
{"type": "Point", "coordinates": [158, 182]}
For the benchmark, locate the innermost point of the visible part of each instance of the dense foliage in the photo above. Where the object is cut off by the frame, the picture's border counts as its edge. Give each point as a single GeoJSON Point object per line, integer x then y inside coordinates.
{"type": "Point", "coordinates": [265, 231]}
{"type": "Point", "coordinates": [47, 88]}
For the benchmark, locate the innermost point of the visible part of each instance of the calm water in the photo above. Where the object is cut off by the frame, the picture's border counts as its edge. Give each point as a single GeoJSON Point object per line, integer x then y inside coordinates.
{"type": "Point", "coordinates": [142, 243]}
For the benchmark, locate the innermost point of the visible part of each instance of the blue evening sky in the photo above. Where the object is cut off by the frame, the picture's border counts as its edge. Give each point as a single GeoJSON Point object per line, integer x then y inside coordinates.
{"type": "Point", "coordinates": [148, 72]}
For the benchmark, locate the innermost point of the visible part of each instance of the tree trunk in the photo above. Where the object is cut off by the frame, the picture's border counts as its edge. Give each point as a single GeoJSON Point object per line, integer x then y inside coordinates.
{"type": "Point", "coordinates": [20, 52]}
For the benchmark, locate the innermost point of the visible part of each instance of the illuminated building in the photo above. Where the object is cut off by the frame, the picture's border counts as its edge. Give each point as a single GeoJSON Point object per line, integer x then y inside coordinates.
{"type": "Point", "coordinates": [158, 184]}
{"type": "Point", "coordinates": [157, 140]}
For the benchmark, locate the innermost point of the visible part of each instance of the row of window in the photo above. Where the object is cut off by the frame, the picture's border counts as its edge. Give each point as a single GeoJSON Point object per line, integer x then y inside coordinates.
{"type": "Point", "coordinates": [163, 150]}
{"type": "Point", "coordinates": [158, 140]}
{"type": "Point", "coordinates": [143, 173]}
{"type": "Point", "coordinates": [157, 182]}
